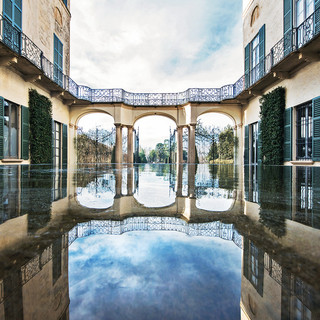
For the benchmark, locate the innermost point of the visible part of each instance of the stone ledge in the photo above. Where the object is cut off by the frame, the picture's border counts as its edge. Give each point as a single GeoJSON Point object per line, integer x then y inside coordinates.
{"type": "Point", "coordinates": [302, 163]}
{"type": "Point", "coordinates": [12, 160]}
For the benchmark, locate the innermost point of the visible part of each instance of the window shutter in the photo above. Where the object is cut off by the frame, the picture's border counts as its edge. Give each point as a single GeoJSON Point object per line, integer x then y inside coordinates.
{"type": "Point", "coordinates": [246, 260]}
{"type": "Point", "coordinates": [287, 148]}
{"type": "Point", "coordinates": [53, 142]}
{"type": "Point", "coordinates": [64, 144]}
{"type": "Point", "coordinates": [262, 33]}
{"type": "Point", "coordinates": [17, 14]}
{"type": "Point", "coordinates": [246, 145]}
{"type": "Point", "coordinates": [260, 271]}
{"type": "Point", "coordinates": [247, 65]}
{"type": "Point", "coordinates": [24, 133]}
{"type": "Point", "coordinates": [316, 129]}
{"type": "Point", "coordinates": [287, 191]}
{"type": "Point", "coordinates": [7, 10]}
{"type": "Point", "coordinates": [1, 126]}
{"type": "Point", "coordinates": [259, 154]}
{"type": "Point", "coordinates": [317, 16]}
{"type": "Point", "coordinates": [316, 196]}
{"type": "Point", "coordinates": [287, 26]}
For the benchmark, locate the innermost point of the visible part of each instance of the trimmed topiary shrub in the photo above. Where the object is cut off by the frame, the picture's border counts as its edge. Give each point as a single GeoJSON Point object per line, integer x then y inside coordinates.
{"type": "Point", "coordinates": [272, 126]}
{"type": "Point", "coordinates": [40, 108]}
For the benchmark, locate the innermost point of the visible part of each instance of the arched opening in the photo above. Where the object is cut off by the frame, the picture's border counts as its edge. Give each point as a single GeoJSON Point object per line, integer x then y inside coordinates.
{"type": "Point", "coordinates": [95, 139]}
{"type": "Point", "coordinates": [155, 139]}
{"type": "Point", "coordinates": [215, 138]}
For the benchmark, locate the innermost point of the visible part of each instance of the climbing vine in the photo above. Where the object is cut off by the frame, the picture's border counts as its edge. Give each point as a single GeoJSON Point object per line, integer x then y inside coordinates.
{"type": "Point", "coordinates": [40, 108]}
{"type": "Point", "coordinates": [272, 126]}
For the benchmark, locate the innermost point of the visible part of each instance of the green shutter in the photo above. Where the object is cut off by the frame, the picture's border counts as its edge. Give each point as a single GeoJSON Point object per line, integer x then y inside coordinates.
{"type": "Point", "coordinates": [317, 17]}
{"type": "Point", "coordinates": [7, 10]}
{"type": "Point", "coordinates": [1, 126]}
{"type": "Point", "coordinates": [53, 142]}
{"type": "Point", "coordinates": [24, 133]}
{"type": "Point", "coordinates": [247, 65]}
{"type": "Point", "coordinates": [315, 197]}
{"type": "Point", "coordinates": [287, 147]}
{"type": "Point", "coordinates": [260, 271]}
{"type": "Point", "coordinates": [259, 153]}
{"type": "Point", "coordinates": [262, 33]}
{"type": "Point", "coordinates": [64, 144]}
{"type": "Point", "coordinates": [287, 26]}
{"type": "Point", "coordinates": [316, 129]}
{"type": "Point", "coordinates": [246, 260]}
{"type": "Point", "coordinates": [287, 191]}
{"type": "Point", "coordinates": [246, 145]}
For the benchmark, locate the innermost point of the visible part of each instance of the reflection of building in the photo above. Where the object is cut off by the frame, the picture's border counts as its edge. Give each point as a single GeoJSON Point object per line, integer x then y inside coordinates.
{"type": "Point", "coordinates": [271, 291]}
{"type": "Point", "coordinates": [38, 288]}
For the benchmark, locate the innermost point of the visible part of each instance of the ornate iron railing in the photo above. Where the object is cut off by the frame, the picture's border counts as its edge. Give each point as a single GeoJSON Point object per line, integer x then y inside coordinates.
{"type": "Point", "coordinates": [209, 229]}
{"type": "Point", "coordinates": [292, 41]}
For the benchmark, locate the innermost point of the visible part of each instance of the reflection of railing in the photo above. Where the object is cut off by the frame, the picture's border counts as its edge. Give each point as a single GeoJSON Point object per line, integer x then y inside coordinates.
{"type": "Point", "coordinates": [293, 40]}
{"type": "Point", "coordinates": [109, 227]}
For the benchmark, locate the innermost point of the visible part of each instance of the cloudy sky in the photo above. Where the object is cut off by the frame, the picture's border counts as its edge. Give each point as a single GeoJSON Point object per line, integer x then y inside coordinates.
{"type": "Point", "coordinates": [156, 46]}
{"type": "Point", "coordinates": [154, 275]}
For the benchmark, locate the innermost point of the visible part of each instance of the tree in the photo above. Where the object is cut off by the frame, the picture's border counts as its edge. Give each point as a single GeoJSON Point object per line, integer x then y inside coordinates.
{"type": "Point", "coordinates": [152, 156]}
{"type": "Point", "coordinates": [142, 156]}
{"type": "Point", "coordinates": [226, 144]}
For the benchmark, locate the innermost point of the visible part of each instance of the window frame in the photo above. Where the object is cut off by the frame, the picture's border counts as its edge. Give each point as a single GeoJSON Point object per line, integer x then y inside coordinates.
{"type": "Point", "coordinates": [307, 137]}
{"type": "Point", "coordinates": [9, 105]}
{"type": "Point", "coordinates": [57, 60]}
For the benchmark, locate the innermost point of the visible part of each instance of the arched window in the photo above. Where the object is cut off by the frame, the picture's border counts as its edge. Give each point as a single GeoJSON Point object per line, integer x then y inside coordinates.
{"type": "Point", "coordinates": [254, 16]}
{"type": "Point", "coordinates": [58, 16]}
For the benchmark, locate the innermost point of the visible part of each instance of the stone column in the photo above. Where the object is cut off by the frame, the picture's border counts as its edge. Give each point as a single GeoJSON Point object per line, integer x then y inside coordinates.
{"type": "Point", "coordinates": [130, 144]}
{"type": "Point", "coordinates": [238, 150]}
{"type": "Point", "coordinates": [179, 145]}
{"type": "Point", "coordinates": [179, 180]}
{"type": "Point", "coordinates": [130, 180]}
{"type": "Point", "coordinates": [192, 143]}
{"type": "Point", "coordinates": [118, 143]}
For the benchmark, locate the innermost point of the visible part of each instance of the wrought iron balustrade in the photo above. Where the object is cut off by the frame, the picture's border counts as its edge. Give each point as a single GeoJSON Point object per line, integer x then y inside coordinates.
{"type": "Point", "coordinates": [109, 227]}
{"type": "Point", "coordinates": [293, 40]}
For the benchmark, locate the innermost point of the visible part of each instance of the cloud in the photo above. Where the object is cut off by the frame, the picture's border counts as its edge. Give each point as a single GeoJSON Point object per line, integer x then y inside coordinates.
{"type": "Point", "coordinates": [156, 46]}
{"type": "Point", "coordinates": [158, 275]}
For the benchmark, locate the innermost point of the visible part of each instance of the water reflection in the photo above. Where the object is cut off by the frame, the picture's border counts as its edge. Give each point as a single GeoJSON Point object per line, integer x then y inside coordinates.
{"type": "Point", "coordinates": [164, 256]}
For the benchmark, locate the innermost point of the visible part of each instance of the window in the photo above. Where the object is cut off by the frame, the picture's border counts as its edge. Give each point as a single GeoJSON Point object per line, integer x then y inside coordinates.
{"type": "Point", "coordinates": [58, 61]}
{"type": "Point", "coordinates": [304, 132]}
{"type": "Point", "coordinates": [10, 130]}
{"type": "Point", "coordinates": [60, 144]}
{"type": "Point", "coordinates": [254, 58]}
{"type": "Point", "coordinates": [303, 10]}
{"type": "Point", "coordinates": [14, 130]}
{"type": "Point", "coordinates": [12, 24]}
{"type": "Point", "coordinates": [254, 143]}
{"type": "Point", "coordinates": [57, 144]}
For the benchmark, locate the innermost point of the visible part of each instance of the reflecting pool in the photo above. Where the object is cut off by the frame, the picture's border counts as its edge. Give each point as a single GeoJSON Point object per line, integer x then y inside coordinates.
{"type": "Point", "coordinates": [159, 242]}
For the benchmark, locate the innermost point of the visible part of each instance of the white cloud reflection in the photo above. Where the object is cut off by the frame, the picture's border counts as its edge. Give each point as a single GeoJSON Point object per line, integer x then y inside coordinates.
{"type": "Point", "coordinates": [154, 275]}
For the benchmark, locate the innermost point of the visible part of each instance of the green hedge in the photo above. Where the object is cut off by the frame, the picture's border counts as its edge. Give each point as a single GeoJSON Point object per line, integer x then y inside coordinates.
{"type": "Point", "coordinates": [40, 108]}
{"type": "Point", "coordinates": [272, 126]}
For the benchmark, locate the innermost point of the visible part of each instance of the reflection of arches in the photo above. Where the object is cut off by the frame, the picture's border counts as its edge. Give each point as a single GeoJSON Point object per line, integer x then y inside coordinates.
{"type": "Point", "coordinates": [152, 113]}
{"type": "Point", "coordinates": [58, 16]}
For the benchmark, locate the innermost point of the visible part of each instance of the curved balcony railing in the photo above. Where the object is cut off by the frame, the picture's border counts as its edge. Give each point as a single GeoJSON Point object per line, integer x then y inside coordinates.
{"type": "Point", "coordinates": [22, 45]}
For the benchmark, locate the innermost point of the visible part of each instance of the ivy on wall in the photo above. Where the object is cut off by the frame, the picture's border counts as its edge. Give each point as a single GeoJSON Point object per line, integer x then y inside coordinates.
{"type": "Point", "coordinates": [40, 108]}
{"type": "Point", "coordinates": [272, 126]}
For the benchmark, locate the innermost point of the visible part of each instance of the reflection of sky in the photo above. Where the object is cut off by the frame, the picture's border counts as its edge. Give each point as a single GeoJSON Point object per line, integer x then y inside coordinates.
{"type": "Point", "coordinates": [154, 275]}
{"type": "Point", "coordinates": [215, 199]}
{"type": "Point", "coordinates": [98, 194]}
{"type": "Point", "coordinates": [154, 191]}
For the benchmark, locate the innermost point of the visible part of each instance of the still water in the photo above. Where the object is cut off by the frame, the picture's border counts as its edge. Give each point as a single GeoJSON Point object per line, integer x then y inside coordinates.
{"type": "Point", "coordinates": [159, 242]}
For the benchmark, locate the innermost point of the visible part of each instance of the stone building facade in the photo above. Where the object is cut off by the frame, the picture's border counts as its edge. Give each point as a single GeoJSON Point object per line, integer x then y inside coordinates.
{"type": "Point", "coordinates": [281, 47]}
